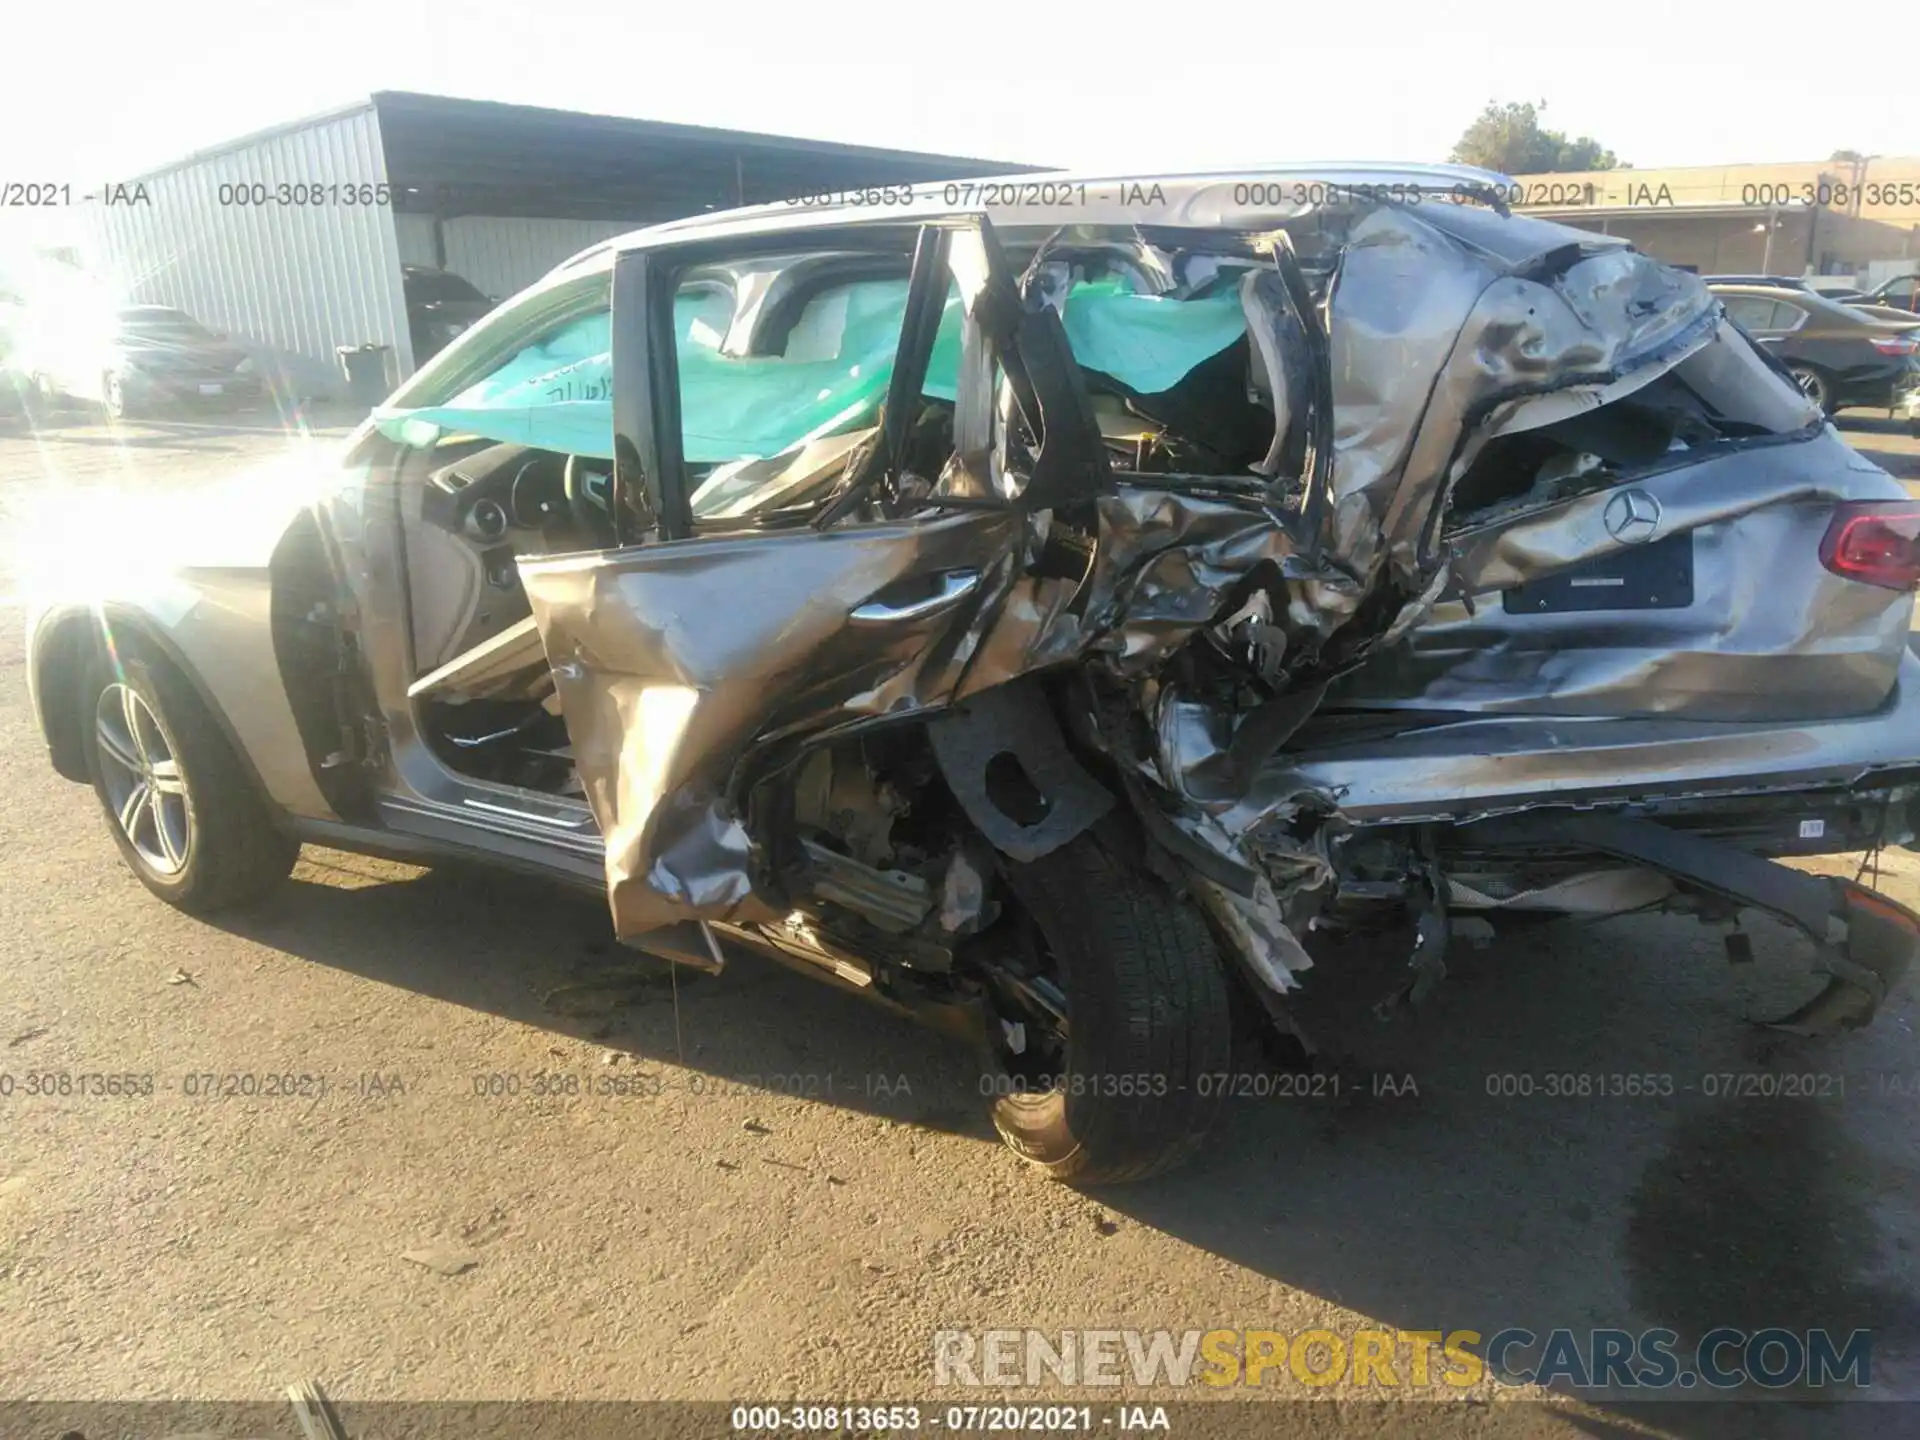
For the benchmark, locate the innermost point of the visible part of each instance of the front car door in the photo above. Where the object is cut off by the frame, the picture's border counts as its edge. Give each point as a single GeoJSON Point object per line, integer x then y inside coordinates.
{"type": "Point", "coordinates": [419, 537]}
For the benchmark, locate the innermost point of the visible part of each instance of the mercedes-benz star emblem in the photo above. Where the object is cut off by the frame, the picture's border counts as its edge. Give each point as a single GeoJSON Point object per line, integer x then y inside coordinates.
{"type": "Point", "coordinates": [1632, 516]}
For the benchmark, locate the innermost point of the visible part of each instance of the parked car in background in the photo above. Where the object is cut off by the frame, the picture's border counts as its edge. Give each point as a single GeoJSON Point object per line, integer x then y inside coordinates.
{"type": "Point", "coordinates": [139, 359]}
{"type": "Point", "coordinates": [1778, 282]}
{"type": "Point", "coordinates": [440, 306]}
{"type": "Point", "coordinates": [1902, 292]}
{"type": "Point", "coordinates": [1838, 355]}
{"type": "Point", "coordinates": [1833, 287]}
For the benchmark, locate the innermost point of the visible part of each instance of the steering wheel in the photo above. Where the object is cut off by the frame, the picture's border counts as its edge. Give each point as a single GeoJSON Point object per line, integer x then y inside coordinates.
{"type": "Point", "coordinates": [592, 511]}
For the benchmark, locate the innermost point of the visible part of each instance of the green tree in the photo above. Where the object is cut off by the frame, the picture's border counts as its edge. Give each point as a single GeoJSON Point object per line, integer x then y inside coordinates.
{"type": "Point", "coordinates": [1510, 138]}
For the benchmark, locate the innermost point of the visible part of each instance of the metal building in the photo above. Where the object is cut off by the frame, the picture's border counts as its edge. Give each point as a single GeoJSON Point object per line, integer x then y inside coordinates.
{"type": "Point", "coordinates": [292, 240]}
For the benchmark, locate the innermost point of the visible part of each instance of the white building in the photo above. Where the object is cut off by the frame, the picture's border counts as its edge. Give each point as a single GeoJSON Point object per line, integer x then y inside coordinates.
{"type": "Point", "coordinates": [292, 240]}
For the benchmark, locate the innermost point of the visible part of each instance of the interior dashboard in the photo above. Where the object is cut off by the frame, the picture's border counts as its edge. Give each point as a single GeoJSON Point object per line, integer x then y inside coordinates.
{"type": "Point", "coordinates": [479, 513]}
{"type": "Point", "coordinates": [497, 489]}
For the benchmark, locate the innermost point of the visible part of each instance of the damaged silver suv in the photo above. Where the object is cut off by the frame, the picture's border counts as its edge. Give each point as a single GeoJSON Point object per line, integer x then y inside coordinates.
{"type": "Point", "coordinates": [1038, 608]}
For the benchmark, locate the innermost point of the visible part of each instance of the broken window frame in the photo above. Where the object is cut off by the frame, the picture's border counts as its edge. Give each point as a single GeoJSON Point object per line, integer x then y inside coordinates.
{"type": "Point", "coordinates": [650, 463]}
{"type": "Point", "coordinates": [1012, 338]}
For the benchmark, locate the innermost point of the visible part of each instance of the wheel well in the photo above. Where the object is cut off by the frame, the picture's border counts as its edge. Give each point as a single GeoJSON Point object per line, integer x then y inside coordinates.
{"type": "Point", "coordinates": [58, 668]}
{"type": "Point", "coordinates": [60, 665]}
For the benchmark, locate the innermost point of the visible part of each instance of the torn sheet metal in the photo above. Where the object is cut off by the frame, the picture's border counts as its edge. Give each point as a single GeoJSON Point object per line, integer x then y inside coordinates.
{"type": "Point", "coordinates": [671, 661]}
{"type": "Point", "coordinates": [686, 670]}
{"type": "Point", "coordinates": [1168, 563]}
{"type": "Point", "coordinates": [1439, 317]}
{"type": "Point", "coordinates": [1259, 932]}
{"type": "Point", "coordinates": [1769, 632]}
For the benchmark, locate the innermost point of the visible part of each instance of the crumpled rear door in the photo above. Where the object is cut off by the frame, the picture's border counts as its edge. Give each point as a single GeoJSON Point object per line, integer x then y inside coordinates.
{"type": "Point", "coordinates": [677, 660]}
{"type": "Point", "coordinates": [670, 660]}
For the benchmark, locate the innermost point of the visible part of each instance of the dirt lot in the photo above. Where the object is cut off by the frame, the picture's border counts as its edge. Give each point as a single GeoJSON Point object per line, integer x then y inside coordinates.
{"type": "Point", "coordinates": [712, 1236]}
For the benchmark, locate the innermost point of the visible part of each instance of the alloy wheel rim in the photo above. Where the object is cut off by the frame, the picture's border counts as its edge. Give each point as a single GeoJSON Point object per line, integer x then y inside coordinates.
{"type": "Point", "coordinates": [1810, 385]}
{"type": "Point", "coordinates": [146, 788]}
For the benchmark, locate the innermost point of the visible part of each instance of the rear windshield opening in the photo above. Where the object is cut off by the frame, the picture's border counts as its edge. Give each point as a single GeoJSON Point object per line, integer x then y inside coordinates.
{"type": "Point", "coordinates": [1723, 393]}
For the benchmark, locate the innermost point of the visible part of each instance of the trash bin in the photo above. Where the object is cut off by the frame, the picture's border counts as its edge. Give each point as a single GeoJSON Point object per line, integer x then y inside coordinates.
{"type": "Point", "coordinates": [365, 367]}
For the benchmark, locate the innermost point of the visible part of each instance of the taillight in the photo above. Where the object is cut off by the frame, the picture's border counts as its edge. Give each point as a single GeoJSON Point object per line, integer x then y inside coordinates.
{"type": "Point", "coordinates": [1895, 344]}
{"type": "Point", "coordinates": [1874, 542]}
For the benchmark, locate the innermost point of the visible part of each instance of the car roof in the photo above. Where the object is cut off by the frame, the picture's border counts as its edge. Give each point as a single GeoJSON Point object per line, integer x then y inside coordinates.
{"type": "Point", "coordinates": [1223, 200]}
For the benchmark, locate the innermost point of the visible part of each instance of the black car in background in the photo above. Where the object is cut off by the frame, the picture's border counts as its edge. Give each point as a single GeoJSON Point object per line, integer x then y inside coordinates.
{"type": "Point", "coordinates": [440, 305]}
{"type": "Point", "coordinates": [1781, 282]}
{"type": "Point", "coordinates": [1827, 286]}
{"type": "Point", "coordinates": [1837, 354]}
{"type": "Point", "coordinates": [1902, 292]}
{"type": "Point", "coordinates": [142, 359]}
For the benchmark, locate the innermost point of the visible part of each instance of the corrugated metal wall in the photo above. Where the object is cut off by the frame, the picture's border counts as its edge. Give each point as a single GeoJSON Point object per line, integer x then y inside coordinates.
{"type": "Point", "coordinates": [415, 234]}
{"type": "Point", "coordinates": [291, 280]}
{"type": "Point", "coordinates": [503, 254]}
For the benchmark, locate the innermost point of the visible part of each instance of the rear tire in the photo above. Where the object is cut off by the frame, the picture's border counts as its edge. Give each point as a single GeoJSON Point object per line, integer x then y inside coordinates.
{"type": "Point", "coordinates": [1149, 1022]}
{"type": "Point", "coordinates": [187, 817]}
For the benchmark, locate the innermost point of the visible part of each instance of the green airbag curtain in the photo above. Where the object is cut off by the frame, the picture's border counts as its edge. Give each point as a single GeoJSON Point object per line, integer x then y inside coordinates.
{"type": "Point", "coordinates": [558, 394]}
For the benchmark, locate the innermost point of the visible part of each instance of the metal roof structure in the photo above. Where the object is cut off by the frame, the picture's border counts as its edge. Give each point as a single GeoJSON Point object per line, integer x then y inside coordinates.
{"type": "Point", "coordinates": [479, 157]}
{"type": "Point", "coordinates": [447, 156]}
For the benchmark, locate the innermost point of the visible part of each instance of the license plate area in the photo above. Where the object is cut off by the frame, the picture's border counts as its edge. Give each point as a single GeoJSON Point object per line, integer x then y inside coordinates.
{"type": "Point", "coordinates": [207, 388]}
{"type": "Point", "coordinates": [1658, 576]}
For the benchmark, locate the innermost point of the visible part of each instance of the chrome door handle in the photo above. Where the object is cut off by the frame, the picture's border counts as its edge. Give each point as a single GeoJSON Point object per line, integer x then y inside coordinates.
{"type": "Point", "coordinates": [955, 586]}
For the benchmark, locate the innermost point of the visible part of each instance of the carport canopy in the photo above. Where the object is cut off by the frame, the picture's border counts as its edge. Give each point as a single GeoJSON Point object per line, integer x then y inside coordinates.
{"type": "Point", "coordinates": [450, 157]}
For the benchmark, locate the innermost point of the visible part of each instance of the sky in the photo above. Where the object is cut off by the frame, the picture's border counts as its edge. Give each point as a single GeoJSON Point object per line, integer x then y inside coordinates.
{"type": "Point", "coordinates": [100, 91]}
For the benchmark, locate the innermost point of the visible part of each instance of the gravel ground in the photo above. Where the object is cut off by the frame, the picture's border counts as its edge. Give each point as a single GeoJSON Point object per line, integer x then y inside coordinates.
{"type": "Point", "coordinates": [714, 1236]}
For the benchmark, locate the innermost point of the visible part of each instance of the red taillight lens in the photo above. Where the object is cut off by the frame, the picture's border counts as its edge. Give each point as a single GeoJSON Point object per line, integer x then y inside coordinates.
{"type": "Point", "coordinates": [1895, 344]}
{"type": "Point", "coordinates": [1874, 542]}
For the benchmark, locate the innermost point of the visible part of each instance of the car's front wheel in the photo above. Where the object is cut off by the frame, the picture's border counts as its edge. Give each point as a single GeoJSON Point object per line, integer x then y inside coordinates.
{"type": "Point", "coordinates": [183, 811]}
{"type": "Point", "coordinates": [1136, 1082]}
